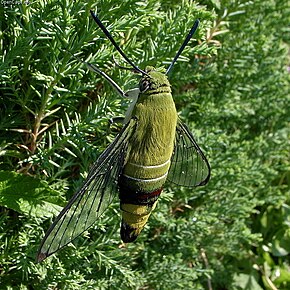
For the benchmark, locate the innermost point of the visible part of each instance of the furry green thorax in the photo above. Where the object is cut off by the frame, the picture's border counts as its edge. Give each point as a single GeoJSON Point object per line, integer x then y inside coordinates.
{"type": "Point", "coordinates": [152, 142]}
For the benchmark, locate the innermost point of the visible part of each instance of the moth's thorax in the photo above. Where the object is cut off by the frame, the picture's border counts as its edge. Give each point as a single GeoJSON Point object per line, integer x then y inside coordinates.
{"type": "Point", "coordinates": [153, 141]}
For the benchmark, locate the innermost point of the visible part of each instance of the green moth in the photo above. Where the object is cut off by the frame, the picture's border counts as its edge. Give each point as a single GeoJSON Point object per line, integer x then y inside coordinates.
{"type": "Point", "coordinates": [154, 146]}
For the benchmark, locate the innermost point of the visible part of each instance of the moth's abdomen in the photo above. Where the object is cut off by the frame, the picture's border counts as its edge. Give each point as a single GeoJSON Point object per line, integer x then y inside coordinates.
{"type": "Point", "coordinates": [140, 187]}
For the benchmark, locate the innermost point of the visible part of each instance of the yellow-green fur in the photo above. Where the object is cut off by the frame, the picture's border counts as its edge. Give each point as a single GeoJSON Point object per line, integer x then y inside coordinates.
{"type": "Point", "coordinates": [153, 140]}
{"type": "Point", "coordinates": [150, 147]}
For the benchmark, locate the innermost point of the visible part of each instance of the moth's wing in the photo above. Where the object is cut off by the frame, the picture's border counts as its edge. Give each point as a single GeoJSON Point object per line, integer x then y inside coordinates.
{"type": "Point", "coordinates": [189, 167]}
{"type": "Point", "coordinates": [97, 192]}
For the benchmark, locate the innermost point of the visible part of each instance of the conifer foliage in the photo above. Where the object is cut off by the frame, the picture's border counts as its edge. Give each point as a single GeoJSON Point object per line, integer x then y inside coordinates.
{"type": "Point", "coordinates": [231, 86]}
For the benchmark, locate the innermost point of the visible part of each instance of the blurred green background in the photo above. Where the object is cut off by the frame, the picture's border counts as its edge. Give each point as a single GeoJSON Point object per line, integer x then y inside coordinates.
{"type": "Point", "coordinates": [231, 86]}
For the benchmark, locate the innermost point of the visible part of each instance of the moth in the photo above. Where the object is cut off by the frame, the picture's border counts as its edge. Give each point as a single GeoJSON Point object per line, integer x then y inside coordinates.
{"type": "Point", "coordinates": [153, 146]}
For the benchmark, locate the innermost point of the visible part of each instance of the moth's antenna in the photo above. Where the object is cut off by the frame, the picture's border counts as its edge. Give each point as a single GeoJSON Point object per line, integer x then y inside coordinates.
{"type": "Point", "coordinates": [107, 33]}
{"type": "Point", "coordinates": [188, 37]}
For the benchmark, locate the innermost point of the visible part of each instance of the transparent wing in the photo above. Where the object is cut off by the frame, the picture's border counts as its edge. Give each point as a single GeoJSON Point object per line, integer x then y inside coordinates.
{"type": "Point", "coordinates": [86, 206]}
{"type": "Point", "coordinates": [189, 167]}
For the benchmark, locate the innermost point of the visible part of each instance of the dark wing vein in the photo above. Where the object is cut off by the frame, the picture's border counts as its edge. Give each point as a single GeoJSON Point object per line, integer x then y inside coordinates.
{"type": "Point", "coordinates": [97, 192]}
{"type": "Point", "coordinates": [189, 167]}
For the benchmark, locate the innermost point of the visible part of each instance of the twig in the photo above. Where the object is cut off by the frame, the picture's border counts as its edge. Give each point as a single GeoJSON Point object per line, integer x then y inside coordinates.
{"type": "Point", "coordinates": [205, 260]}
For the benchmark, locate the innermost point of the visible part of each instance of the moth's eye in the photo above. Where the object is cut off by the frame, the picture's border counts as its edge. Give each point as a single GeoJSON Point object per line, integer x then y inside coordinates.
{"type": "Point", "coordinates": [144, 85]}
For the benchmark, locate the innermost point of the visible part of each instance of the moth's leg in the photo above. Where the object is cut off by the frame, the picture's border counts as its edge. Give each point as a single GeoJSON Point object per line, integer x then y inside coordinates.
{"type": "Point", "coordinates": [116, 120]}
{"type": "Point", "coordinates": [132, 94]}
{"type": "Point", "coordinates": [115, 124]}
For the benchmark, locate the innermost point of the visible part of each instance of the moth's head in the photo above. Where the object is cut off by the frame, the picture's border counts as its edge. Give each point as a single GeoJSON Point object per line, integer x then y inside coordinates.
{"type": "Point", "coordinates": [154, 79]}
